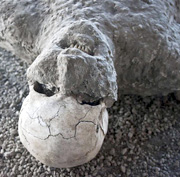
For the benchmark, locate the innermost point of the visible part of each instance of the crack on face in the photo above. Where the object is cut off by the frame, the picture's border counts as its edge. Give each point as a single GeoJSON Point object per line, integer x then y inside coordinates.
{"type": "Point", "coordinates": [97, 129]}
{"type": "Point", "coordinates": [48, 125]}
{"type": "Point", "coordinates": [100, 126]}
{"type": "Point", "coordinates": [28, 144]}
{"type": "Point", "coordinates": [81, 157]}
{"type": "Point", "coordinates": [25, 138]}
{"type": "Point", "coordinates": [40, 119]}
{"type": "Point", "coordinates": [50, 135]}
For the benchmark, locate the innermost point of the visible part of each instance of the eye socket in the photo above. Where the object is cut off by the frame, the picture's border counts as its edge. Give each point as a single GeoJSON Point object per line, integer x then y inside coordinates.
{"type": "Point", "coordinates": [42, 89]}
{"type": "Point", "coordinates": [93, 103]}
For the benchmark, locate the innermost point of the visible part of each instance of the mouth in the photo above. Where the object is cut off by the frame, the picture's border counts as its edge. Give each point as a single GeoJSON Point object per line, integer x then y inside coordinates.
{"type": "Point", "coordinates": [84, 48]}
{"type": "Point", "coordinates": [80, 42]}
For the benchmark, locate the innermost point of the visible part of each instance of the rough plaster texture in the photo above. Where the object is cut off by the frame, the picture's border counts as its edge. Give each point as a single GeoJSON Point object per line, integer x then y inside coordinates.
{"type": "Point", "coordinates": [90, 51]}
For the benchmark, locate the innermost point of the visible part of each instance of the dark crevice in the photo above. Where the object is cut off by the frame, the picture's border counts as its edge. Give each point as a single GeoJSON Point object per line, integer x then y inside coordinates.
{"type": "Point", "coordinates": [41, 88]}
{"type": "Point", "coordinates": [63, 44]}
{"type": "Point", "coordinates": [93, 103]}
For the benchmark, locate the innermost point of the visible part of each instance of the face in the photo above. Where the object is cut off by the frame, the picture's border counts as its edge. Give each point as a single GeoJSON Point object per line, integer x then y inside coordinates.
{"type": "Point", "coordinates": [79, 64]}
{"type": "Point", "coordinates": [71, 83]}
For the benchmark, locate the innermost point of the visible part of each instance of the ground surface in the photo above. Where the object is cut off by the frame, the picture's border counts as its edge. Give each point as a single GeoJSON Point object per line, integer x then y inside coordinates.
{"type": "Point", "coordinates": [143, 137]}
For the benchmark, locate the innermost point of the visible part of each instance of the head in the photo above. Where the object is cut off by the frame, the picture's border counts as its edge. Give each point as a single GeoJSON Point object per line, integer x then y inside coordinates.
{"type": "Point", "coordinates": [72, 82]}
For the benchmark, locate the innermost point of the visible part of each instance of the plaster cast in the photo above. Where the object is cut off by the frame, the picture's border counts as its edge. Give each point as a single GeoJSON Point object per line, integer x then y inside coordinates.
{"type": "Point", "coordinates": [86, 53]}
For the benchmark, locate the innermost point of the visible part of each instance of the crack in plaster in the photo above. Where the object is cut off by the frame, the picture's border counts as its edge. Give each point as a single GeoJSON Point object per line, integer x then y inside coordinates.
{"type": "Point", "coordinates": [28, 142]}
{"type": "Point", "coordinates": [49, 126]}
{"type": "Point", "coordinates": [50, 135]}
{"type": "Point", "coordinates": [100, 117]}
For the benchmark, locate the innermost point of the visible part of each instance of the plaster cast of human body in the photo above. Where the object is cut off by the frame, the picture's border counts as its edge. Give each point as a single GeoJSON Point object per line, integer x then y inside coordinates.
{"type": "Point", "coordinates": [82, 54]}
